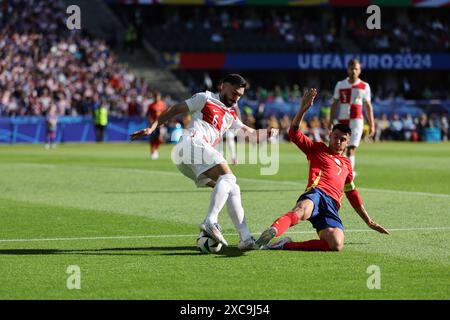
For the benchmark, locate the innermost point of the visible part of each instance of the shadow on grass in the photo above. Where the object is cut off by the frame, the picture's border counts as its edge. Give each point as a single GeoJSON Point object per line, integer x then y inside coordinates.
{"type": "Point", "coordinates": [188, 251]}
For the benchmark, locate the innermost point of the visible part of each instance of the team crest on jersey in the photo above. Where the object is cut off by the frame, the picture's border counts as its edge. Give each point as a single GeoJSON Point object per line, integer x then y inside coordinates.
{"type": "Point", "coordinates": [338, 162]}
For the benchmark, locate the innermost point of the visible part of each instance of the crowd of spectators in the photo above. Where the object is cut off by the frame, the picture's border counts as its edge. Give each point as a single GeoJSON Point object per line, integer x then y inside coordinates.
{"type": "Point", "coordinates": [45, 65]}
{"type": "Point", "coordinates": [289, 29]}
{"type": "Point", "coordinates": [408, 128]}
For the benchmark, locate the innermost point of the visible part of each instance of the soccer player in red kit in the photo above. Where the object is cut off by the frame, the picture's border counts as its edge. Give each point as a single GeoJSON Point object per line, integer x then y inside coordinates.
{"type": "Point", "coordinates": [154, 111]}
{"type": "Point", "coordinates": [330, 174]}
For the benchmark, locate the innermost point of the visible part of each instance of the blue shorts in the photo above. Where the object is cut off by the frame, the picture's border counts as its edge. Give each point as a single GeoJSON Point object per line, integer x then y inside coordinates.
{"type": "Point", "coordinates": [325, 213]}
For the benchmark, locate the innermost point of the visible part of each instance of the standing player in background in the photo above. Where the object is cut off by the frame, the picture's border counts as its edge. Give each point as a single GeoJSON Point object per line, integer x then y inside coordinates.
{"type": "Point", "coordinates": [51, 121]}
{"type": "Point", "coordinates": [153, 112]}
{"type": "Point", "coordinates": [212, 115]}
{"type": "Point", "coordinates": [348, 99]}
{"type": "Point", "coordinates": [330, 174]}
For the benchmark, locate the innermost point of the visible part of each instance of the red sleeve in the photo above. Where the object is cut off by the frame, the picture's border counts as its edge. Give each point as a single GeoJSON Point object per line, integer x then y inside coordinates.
{"type": "Point", "coordinates": [303, 142]}
{"type": "Point", "coordinates": [350, 189]}
{"type": "Point", "coordinates": [354, 198]}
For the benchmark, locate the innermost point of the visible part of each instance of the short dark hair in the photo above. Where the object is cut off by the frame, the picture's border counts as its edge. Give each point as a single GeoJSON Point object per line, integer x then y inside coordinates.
{"type": "Point", "coordinates": [352, 62]}
{"type": "Point", "coordinates": [342, 127]}
{"type": "Point", "coordinates": [236, 80]}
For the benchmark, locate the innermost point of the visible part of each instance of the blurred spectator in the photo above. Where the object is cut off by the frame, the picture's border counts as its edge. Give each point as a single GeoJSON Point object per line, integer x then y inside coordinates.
{"type": "Point", "coordinates": [382, 131]}
{"type": "Point", "coordinates": [260, 118]}
{"type": "Point", "coordinates": [396, 127]}
{"type": "Point", "coordinates": [51, 121]}
{"type": "Point", "coordinates": [273, 122]}
{"type": "Point", "coordinates": [285, 123]}
{"type": "Point", "coordinates": [131, 39]}
{"type": "Point", "coordinates": [444, 127]}
{"type": "Point", "coordinates": [408, 127]}
{"type": "Point", "coordinates": [100, 121]}
{"type": "Point", "coordinates": [314, 125]}
{"type": "Point", "coordinates": [422, 125]}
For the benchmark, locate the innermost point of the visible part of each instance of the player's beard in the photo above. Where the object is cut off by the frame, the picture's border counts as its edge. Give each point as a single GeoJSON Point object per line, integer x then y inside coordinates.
{"type": "Point", "coordinates": [227, 102]}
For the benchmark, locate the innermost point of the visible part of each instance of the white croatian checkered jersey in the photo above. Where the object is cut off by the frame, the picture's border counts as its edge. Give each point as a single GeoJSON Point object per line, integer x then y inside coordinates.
{"type": "Point", "coordinates": [210, 117]}
{"type": "Point", "coordinates": [351, 98]}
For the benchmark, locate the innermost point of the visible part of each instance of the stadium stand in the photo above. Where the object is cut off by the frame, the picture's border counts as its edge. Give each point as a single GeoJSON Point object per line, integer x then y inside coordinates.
{"type": "Point", "coordinates": [44, 65]}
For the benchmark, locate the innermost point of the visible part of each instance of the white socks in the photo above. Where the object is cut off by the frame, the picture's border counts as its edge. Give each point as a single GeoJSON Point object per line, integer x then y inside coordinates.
{"type": "Point", "coordinates": [236, 212]}
{"type": "Point", "coordinates": [219, 196]}
{"type": "Point", "coordinates": [227, 191]}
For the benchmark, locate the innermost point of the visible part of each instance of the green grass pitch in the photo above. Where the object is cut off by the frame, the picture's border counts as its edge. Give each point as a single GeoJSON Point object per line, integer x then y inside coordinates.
{"type": "Point", "coordinates": [130, 225]}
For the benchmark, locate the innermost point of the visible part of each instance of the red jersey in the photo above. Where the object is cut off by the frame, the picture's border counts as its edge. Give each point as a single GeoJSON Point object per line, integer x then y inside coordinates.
{"type": "Point", "coordinates": [155, 109]}
{"type": "Point", "coordinates": [328, 171]}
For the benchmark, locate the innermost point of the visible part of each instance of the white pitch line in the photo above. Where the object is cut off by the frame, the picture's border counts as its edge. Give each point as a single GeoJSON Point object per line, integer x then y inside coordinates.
{"type": "Point", "coordinates": [300, 184]}
{"type": "Point", "coordinates": [193, 235]}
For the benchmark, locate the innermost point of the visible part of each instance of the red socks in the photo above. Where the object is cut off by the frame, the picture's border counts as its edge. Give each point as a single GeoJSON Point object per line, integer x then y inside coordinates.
{"type": "Point", "coordinates": [291, 219]}
{"type": "Point", "coordinates": [311, 245]}
{"type": "Point", "coordinates": [154, 144]}
{"type": "Point", "coordinates": [285, 222]}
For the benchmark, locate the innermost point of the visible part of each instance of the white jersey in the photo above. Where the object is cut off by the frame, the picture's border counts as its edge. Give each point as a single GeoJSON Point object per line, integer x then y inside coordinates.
{"type": "Point", "coordinates": [351, 98]}
{"type": "Point", "coordinates": [210, 117]}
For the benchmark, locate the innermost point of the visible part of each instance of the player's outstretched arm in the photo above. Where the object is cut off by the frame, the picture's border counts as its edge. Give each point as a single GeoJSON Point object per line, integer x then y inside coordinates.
{"type": "Point", "coordinates": [305, 104]}
{"type": "Point", "coordinates": [370, 118]}
{"type": "Point", "coordinates": [165, 116]}
{"type": "Point", "coordinates": [370, 223]}
{"type": "Point", "coordinates": [357, 204]}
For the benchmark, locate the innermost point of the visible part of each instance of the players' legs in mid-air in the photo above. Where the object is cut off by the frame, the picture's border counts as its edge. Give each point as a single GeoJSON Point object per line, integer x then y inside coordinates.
{"type": "Point", "coordinates": [206, 167]}
{"type": "Point", "coordinates": [225, 190]}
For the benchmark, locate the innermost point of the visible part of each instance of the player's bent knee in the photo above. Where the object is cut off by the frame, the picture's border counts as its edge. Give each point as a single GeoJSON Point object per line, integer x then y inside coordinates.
{"type": "Point", "coordinates": [235, 189]}
{"type": "Point", "coordinates": [304, 209]}
{"type": "Point", "coordinates": [336, 246]}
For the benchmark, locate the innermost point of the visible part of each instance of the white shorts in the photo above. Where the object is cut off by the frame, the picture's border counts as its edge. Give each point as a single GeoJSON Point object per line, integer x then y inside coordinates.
{"type": "Point", "coordinates": [193, 157]}
{"type": "Point", "coordinates": [357, 126]}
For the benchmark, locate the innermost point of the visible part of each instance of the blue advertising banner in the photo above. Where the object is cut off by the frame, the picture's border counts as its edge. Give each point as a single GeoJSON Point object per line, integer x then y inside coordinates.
{"type": "Point", "coordinates": [69, 129]}
{"type": "Point", "coordinates": [332, 61]}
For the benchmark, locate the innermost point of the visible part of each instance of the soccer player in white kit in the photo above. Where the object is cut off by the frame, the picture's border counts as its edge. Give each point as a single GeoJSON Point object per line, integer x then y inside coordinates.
{"type": "Point", "coordinates": [350, 95]}
{"type": "Point", "coordinates": [212, 115]}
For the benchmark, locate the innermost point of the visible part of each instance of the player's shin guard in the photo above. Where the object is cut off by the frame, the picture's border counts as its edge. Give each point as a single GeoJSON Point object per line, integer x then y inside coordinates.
{"type": "Point", "coordinates": [236, 212]}
{"type": "Point", "coordinates": [311, 245]}
{"type": "Point", "coordinates": [285, 222]}
{"type": "Point", "coordinates": [219, 196]}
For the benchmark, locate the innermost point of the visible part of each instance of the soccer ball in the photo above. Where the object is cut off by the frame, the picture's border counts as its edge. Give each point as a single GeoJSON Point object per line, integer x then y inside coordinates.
{"type": "Point", "coordinates": [206, 244]}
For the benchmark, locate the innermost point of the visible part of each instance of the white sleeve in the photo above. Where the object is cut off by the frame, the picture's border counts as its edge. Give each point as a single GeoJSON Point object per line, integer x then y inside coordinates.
{"type": "Point", "coordinates": [336, 92]}
{"type": "Point", "coordinates": [367, 93]}
{"type": "Point", "coordinates": [237, 124]}
{"type": "Point", "coordinates": [197, 101]}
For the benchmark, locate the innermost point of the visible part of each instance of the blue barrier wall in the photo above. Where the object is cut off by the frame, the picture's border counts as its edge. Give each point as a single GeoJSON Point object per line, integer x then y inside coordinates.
{"type": "Point", "coordinates": [69, 129]}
